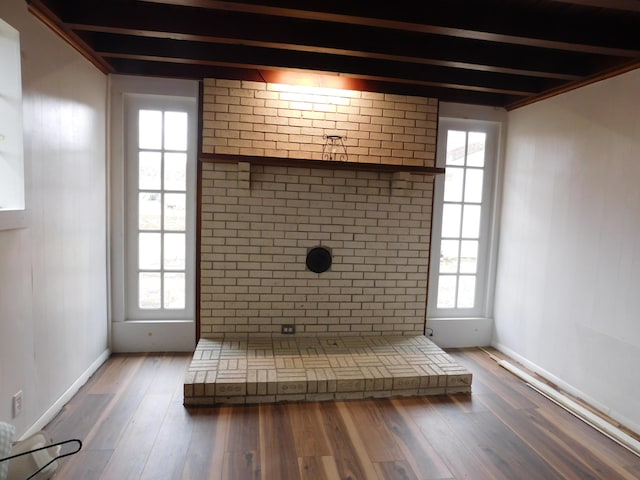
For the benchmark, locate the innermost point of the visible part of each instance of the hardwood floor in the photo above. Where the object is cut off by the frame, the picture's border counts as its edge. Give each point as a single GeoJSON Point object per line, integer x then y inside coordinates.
{"type": "Point", "coordinates": [133, 425]}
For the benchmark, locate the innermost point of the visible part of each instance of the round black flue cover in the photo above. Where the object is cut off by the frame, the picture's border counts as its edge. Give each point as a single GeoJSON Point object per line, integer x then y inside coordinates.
{"type": "Point", "coordinates": [319, 259]}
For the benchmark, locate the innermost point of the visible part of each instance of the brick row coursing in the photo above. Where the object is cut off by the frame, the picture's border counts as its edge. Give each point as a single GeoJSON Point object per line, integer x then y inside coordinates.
{"type": "Point", "coordinates": [254, 242]}
{"type": "Point", "coordinates": [273, 120]}
{"type": "Point", "coordinates": [257, 222]}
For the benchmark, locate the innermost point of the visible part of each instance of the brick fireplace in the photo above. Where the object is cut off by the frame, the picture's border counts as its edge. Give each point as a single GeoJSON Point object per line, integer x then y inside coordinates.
{"type": "Point", "coordinates": [267, 197]}
{"type": "Point", "coordinates": [259, 220]}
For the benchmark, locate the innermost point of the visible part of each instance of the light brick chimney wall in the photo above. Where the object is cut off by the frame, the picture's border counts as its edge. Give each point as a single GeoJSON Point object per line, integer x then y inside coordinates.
{"type": "Point", "coordinates": [257, 221]}
{"type": "Point", "coordinates": [263, 119]}
{"type": "Point", "coordinates": [255, 236]}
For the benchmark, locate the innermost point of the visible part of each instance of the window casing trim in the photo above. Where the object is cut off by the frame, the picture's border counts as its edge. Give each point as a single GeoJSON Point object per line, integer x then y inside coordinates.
{"type": "Point", "coordinates": [122, 88]}
{"type": "Point", "coordinates": [488, 230]}
{"type": "Point", "coordinates": [134, 103]}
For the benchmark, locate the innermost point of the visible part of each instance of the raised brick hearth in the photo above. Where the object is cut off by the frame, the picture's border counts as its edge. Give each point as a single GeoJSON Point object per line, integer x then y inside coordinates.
{"type": "Point", "coordinates": [242, 369]}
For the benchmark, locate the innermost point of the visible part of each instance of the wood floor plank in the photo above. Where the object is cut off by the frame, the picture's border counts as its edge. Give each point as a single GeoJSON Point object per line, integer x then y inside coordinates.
{"type": "Point", "coordinates": [79, 417]}
{"type": "Point", "coordinates": [132, 422]}
{"type": "Point", "coordinates": [242, 449]}
{"type": "Point", "coordinates": [395, 470]}
{"type": "Point", "coordinates": [244, 431]}
{"type": "Point", "coordinates": [76, 422]}
{"type": "Point", "coordinates": [169, 452]}
{"type": "Point", "coordinates": [216, 468]}
{"type": "Point", "coordinates": [89, 409]}
{"type": "Point", "coordinates": [357, 440]}
{"type": "Point", "coordinates": [502, 453]}
{"type": "Point", "coordinates": [114, 374]}
{"type": "Point", "coordinates": [585, 442]}
{"type": "Point", "coordinates": [318, 468]}
{"type": "Point", "coordinates": [633, 470]}
{"type": "Point", "coordinates": [490, 377]}
{"type": "Point", "coordinates": [199, 461]}
{"type": "Point", "coordinates": [173, 367]}
{"type": "Point", "coordinates": [308, 431]}
{"type": "Point", "coordinates": [241, 465]}
{"type": "Point", "coordinates": [545, 440]}
{"type": "Point", "coordinates": [277, 450]}
{"type": "Point", "coordinates": [380, 443]}
{"type": "Point", "coordinates": [86, 465]}
{"type": "Point", "coordinates": [138, 438]}
{"type": "Point", "coordinates": [121, 409]}
{"type": "Point", "coordinates": [461, 460]}
{"type": "Point", "coordinates": [418, 451]}
{"type": "Point", "coordinates": [603, 453]}
{"type": "Point", "coordinates": [341, 439]}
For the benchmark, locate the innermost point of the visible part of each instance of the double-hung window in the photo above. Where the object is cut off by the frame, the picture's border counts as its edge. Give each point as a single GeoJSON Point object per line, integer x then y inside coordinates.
{"type": "Point", "coordinates": [460, 273]}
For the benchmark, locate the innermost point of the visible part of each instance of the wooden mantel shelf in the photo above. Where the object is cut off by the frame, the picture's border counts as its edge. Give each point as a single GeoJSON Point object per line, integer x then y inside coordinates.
{"type": "Point", "coordinates": [328, 164]}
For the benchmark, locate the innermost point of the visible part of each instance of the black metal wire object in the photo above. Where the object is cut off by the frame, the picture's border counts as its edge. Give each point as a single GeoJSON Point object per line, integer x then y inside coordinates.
{"type": "Point", "coordinates": [57, 457]}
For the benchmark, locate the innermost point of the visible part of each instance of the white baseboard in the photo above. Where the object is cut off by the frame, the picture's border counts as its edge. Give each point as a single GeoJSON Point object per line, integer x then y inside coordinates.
{"type": "Point", "coordinates": [461, 332]}
{"type": "Point", "coordinates": [54, 409]}
{"type": "Point", "coordinates": [601, 424]}
{"type": "Point", "coordinates": [143, 336]}
{"type": "Point", "coordinates": [568, 388]}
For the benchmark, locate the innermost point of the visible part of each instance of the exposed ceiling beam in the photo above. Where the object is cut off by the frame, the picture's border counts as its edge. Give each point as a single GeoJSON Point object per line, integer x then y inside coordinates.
{"type": "Point", "coordinates": [625, 5]}
{"type": "Point", "coordinates": [249, 57]}
{"type": "Point", "coordinates": [495, 52]}
{"type": "Point", "coordinates": [618, 70]}
{"type": "Point", "coordinates": [481, 67]}
{"type": "Point", "coordinates": [185, 70]}
{"type": "Point", "coordinates": [190, 24]}
{"type": "Point", "coordinates": [182, 60]}
{"type": "Point", "coordinates": [489, 33]}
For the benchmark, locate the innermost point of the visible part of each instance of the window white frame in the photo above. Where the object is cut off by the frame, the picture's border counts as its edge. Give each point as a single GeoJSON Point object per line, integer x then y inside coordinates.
{"type": "Point", "coordinates": [485, 269]}
{"type": "Point", "coordinates": [130, 333]}
{"type": "Point", "coordinates": [12, 168]}
{"type": "Point", "coordinates": [135, 103]}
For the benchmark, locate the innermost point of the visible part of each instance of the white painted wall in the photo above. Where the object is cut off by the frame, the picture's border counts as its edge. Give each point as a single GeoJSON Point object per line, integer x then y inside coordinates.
{"type": "Point", "coordinates": [568, 278]}
{"type": "Point", "coordinates": [53, 288]}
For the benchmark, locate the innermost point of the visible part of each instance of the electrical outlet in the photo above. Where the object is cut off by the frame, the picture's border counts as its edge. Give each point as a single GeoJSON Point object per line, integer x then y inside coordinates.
{"type": "Point", "coordinates": [288, 329]}
{"type": "Point", "coordinates": [17, 403]}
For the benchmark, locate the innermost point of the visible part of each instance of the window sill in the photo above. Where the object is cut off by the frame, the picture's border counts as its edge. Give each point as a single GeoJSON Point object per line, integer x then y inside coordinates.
{"type": "Point", "coordinates": [13, 219]}
{"type": "Point", "coordinates": [457, 318]}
